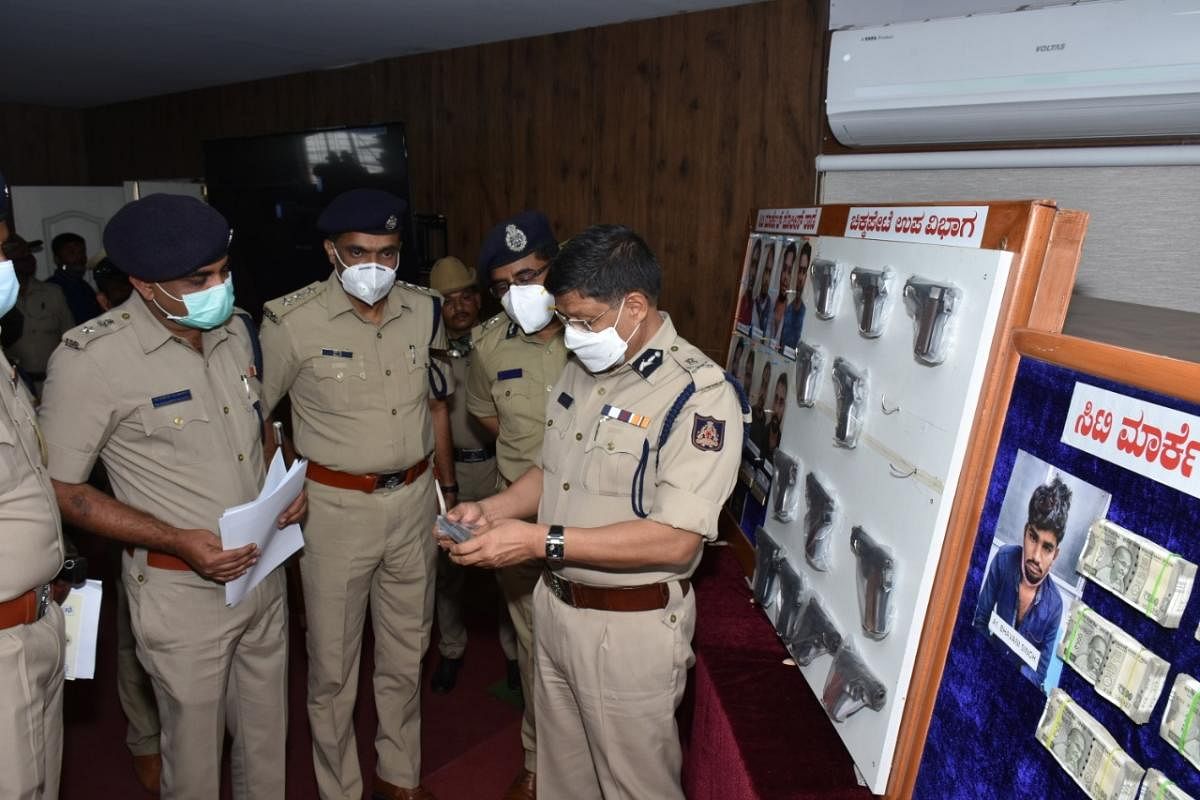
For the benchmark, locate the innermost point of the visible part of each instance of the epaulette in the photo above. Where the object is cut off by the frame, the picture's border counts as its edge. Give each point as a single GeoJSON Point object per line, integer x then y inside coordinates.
{"type": "Point", "coordinates": [425, 290]}
{"type": "Point", "coordinates": [705, 374]}
{"type": "Point", "coordinates": [282, 306]}
{"type": "Point", "coordinates": [79, 337]}
{"type": "Point", "coordinates": [491, 329]}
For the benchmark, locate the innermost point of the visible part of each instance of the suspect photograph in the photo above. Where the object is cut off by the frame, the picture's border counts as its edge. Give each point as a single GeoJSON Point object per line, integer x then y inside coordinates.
{"type": "Point", "coordinates": [764, 301]}
{"type": "Point", "coordinates": [746, 288]}
{"type": "Point", "coordinates": [1030, 578]}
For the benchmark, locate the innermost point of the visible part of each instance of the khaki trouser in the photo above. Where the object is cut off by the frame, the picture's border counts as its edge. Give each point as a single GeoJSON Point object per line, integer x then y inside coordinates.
{"type": "Point", "coordinates": [134, 688]}
{"type": "Point", "coordinates": [31, 692]}
{"type": "Point", "coordinates": [608, 684]}
{"type": "Point", "coordinates": [213, 668]}
{"type": "Point", "coordinates": [517, 583]}
{"type": "Point", "coordinates": [357, 547]}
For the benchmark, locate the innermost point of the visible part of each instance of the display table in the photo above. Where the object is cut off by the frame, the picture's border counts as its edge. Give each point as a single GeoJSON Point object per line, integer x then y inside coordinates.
{"type": "Point", "coordinates": [750, 726]}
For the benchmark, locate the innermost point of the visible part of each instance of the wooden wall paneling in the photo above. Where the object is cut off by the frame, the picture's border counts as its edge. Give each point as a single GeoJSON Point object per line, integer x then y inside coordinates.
{"type": "Point", "coordinates": [700, 117]}
{"type": "Point", "coordinates": [514, 130]}
{"type": "Point", "coordinates": [42, 146]}
{"type": "Point", "coordinates": [674, 126]}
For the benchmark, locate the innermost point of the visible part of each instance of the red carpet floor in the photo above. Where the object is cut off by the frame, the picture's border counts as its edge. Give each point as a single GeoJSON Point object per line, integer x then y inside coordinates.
{"type": "Point", "coordinates": [470, 737]}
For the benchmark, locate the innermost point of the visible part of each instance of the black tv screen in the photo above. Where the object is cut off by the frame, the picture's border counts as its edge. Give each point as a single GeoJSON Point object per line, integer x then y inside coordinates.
{"type": "Point", "coordinates": [273, 188]}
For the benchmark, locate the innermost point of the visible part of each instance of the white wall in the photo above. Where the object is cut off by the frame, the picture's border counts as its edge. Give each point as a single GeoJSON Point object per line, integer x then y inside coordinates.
{"type": "Point", "coordinates": [1143, 240]}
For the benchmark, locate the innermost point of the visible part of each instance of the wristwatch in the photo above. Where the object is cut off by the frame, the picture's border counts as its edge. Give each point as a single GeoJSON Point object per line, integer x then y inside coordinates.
{"type": "Point", "coordinates": [555, 544]}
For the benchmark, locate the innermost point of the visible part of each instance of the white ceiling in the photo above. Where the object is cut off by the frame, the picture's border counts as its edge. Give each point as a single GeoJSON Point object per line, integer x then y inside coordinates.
{"type": "Point", "coordinates": [83, 53]}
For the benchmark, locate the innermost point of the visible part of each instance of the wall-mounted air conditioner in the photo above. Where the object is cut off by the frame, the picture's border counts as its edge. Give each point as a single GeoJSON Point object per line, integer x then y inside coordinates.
{"type": "Point", "coordinates": [1093, 70]}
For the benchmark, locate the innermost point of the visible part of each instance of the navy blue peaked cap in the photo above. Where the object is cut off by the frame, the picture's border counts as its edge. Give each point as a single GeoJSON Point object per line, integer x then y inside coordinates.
{"type": "Point", "coordinates": [363, 211]}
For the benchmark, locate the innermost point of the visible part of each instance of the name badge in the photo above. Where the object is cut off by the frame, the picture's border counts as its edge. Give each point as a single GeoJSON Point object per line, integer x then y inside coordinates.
{"type": "Point", "coordinates": [565, 400]}
{"type": "Point", "coordinates": [328, 351]}
{"type": "Point", "coordinates": [509, 374]}
{"type": "Point", "coordinates": [181, 396]}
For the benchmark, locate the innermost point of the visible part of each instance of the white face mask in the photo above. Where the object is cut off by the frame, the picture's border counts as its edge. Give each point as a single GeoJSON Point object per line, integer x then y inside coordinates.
{"type": "Point", "coordinates": [598, 350]}
{"type": "Point", "coordinates": [369, 282]}
{"type": "Point", "coordinates": [9, 287]}
{"type": "Point", "coordinates": [529, 305]}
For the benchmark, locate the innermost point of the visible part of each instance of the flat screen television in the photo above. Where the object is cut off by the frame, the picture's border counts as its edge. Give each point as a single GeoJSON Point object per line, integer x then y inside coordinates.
{"type": "Point", "coordinates": [272, 189]}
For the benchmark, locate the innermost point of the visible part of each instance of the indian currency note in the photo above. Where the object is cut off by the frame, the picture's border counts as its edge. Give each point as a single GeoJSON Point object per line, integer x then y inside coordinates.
{"type": "Point", "coordinates": [1085, 750]}
{"type": "Point", "coordinates": [1142, 573]}
{"type": "Point", "coordinates": [1180, 727]}
{"type": "Point", "coordinates": [1159, 787]}
{"type": "Point", "coordinates": [1124, 672]}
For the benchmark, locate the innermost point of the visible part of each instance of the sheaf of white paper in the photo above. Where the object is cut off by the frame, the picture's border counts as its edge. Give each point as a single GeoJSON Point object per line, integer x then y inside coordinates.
{"type": "Point", "coordinates": [81, 613]}
{"type": "Point", "coordinates": [256, 522]}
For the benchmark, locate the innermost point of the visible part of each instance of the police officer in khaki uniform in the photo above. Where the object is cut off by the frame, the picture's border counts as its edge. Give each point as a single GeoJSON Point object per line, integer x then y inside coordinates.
{"type": "Point", "coordinates": [173, 413]}
{"type": "Point", "coordinates": [368, 411]}
{"type": "Point", "coordinates": [134, 688]}
{"type": "Point", "coordinates": [475, 465]}
{"type": "Point", "coordinates": [519, 356]}
{"type": "Point", "coordinates": [44, 309]}
{"type": "Point", "coordinates": [32, 638]}
{"type": "Point", "coordinates": [643, 437]}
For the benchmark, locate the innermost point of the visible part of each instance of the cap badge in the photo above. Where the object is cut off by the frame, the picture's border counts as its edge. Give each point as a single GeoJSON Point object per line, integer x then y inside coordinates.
{"type": "Point", "coordinates": [514, 237]}
{"type": "Point", "coordinates": [390, 225]}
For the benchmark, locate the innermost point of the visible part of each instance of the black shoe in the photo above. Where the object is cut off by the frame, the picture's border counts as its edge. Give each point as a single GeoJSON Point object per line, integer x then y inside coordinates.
{"type": "Point", "coordinates": [446, 675]}
{"type": "Point", "coordinates": [514, 675]}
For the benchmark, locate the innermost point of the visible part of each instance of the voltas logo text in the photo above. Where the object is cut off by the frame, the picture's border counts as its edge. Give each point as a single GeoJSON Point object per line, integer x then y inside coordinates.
{"type": "Point", "coordinates": [1047, 48]}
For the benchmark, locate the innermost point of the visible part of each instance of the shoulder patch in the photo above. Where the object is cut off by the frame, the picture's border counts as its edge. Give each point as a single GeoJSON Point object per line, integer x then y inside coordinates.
{"type": "Point", "coordinates": [705, 373]}
{"type": "Point", "coordinates": [275, 309]}
{"type": "Point", "coordinates": [81, 336]}
{"type": "Point", "coordinates": [708, 433]}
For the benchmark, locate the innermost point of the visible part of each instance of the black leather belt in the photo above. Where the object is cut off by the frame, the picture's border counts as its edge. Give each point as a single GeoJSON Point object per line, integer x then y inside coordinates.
{"type": "Point", "coordinates": [465, 455]}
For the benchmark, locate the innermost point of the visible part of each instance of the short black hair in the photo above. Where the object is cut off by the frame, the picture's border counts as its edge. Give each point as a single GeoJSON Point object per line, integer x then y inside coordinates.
{"type": "Point", "coordinates": [108, 276]}
{"type": "Point", "coordinates": [1048, 508]}
{"type": "Point", "coordinates": [805, 249]}
{"type": "Point", "coordinates": [64, 239]}
{"type": "Point", "coordinates": [605, 263]}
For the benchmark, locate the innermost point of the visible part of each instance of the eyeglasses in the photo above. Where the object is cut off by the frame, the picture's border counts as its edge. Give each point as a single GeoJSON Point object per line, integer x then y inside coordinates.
{"type": "Point", "coordinates": [500, 288]}
{"type": "Point", "coordinates": [581, 324]}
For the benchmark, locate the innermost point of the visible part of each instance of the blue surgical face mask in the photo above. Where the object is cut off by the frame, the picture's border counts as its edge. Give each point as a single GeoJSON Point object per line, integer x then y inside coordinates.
{"type": "Point", "coordinates": [205, 309]}
{"type": "Point", "coordinates": [8, 287]}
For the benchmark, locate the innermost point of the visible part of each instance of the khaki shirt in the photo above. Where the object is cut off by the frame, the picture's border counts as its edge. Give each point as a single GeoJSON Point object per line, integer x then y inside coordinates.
{"type": "Point", "coordinates": [360, 392]}
{"type": "Point", "coordinates": [464, 428]}
{"type": "Point", "coordinates": [47, 318]}
{"type": "Point", "coordinates": [511, 378]}
{"type": "Point", "coordinates": [603, 430]}
{"type": "Point", "coordinates": [476, 479]}
{"type": "Point", "coordinates": [31, 547]}
{"type": "Point", "coordinates": [177, 430]}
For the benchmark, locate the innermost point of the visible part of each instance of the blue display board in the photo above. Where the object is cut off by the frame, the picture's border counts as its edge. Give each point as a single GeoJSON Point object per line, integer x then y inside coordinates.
{"type": "Point", "coordinates": [981, 738]}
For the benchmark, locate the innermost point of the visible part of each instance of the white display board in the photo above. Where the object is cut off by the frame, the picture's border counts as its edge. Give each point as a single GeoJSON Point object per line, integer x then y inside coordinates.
{"type": "Point", "coordinates": [899, 482]}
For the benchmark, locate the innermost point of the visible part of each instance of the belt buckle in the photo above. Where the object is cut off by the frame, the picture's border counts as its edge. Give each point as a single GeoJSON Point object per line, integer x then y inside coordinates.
{"type": "Point", "coordinates": [43, 600]}
{"type": "Point", "coordinates": [391, 481]}
{"type": "Point", "coordinates": [560, 588]}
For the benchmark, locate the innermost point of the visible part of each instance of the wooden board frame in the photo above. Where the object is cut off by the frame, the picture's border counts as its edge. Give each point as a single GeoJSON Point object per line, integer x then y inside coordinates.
{"type": "Point", "coordinates": [1046, 242]}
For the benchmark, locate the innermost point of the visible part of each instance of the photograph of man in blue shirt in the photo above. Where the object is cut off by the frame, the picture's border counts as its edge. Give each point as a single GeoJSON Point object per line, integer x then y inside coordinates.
{"type": "Point", "coordinates": [1017, 585]}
